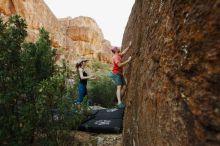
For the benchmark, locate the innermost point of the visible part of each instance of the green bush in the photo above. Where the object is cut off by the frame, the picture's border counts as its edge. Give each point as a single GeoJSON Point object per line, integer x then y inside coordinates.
{"type": "Point", "coordinates": [102, 91]}
{"type": "Point", "coordinates": [33, 90]}
{"type": "Point", "coordinates": [15, 127]}
{"type": "Point", "coordinates": [52, 103]}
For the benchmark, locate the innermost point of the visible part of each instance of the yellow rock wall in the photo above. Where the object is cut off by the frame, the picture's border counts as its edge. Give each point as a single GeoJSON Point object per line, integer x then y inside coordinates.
{"type": "Point", "coordinates": [73, 37]}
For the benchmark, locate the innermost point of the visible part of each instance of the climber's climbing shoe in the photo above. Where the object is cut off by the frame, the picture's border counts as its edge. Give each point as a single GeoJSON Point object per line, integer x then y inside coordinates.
{"type": "Point", "coordinates": [121, 105]}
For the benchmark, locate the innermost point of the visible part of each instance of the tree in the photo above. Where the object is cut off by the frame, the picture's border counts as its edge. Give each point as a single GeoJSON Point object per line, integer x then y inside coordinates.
{"type": "Point", "coordinates": [31, 88]}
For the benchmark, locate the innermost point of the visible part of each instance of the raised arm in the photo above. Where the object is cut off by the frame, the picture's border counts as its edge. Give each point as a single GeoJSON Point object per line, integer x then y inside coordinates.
{"type": "Point", "coordinates": [125, 62]}
{"type": "Point", "coordinates": [126, 49]}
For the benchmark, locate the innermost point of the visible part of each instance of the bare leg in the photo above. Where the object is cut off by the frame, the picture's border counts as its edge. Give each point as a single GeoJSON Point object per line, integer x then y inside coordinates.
{"type": "Point", "coordinates": [118, 94]}
{"type": "Point", "coordinates": [123, 91]}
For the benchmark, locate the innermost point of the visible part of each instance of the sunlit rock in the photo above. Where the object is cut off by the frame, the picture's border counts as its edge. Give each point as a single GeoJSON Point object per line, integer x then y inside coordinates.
{"type": "Point", "coordinates": [73, 38]}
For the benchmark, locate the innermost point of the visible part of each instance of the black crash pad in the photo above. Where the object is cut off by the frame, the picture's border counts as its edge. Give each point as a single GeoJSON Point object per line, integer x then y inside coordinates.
{"type": "Point", "coordinates": [102, 126]}
{"type": "Point", "coordinates": [104, 121]}
{"type": "Point", "coordinates": [114, 113]}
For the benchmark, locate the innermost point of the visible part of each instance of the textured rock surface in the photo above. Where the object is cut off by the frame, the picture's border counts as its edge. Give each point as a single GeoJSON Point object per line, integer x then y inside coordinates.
{"type": "Point", "coordinates": [77, 37]}
{"type": "Point", "coordinates": [173, 93]}
{"type": "Point", "coordinates": [36, 14]}
{"type": "Point", "coordinates": [86, 38]}
{"type": "Point", "coordinates": [7, 7]}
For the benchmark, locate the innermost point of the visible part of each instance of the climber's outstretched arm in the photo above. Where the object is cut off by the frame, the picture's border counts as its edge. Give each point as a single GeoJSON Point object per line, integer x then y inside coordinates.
{"type": "Point", "coordinates": [126, 49]}
{"type": "Point", "coordinates": [125, 62]}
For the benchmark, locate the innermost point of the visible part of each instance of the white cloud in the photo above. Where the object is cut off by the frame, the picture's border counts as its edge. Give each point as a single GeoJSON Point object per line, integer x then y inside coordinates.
{"type": "Point", "coordinates": [110, 15]}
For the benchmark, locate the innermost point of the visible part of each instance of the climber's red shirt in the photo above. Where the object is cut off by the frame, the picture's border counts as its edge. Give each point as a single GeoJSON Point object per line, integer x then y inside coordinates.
{"type": "Point", "coordinates": [116, 59]}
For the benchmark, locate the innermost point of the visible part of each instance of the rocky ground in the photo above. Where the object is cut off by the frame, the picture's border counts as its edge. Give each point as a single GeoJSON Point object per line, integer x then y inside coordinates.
{"type": "Point", "coordinates": [94, 139]}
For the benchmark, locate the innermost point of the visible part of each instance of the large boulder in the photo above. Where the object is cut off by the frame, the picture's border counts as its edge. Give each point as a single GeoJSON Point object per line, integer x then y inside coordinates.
{"type": "Point", "coordinates": [173, 95]}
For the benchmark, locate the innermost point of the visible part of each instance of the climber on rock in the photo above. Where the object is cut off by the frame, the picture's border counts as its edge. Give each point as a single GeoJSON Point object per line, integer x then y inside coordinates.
{"type": "Point", "coordinates": [117, 72]}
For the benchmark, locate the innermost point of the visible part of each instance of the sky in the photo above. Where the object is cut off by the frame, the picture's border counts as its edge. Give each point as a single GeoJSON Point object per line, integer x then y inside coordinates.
{"type": "Point", "coordinates": [110, 15]}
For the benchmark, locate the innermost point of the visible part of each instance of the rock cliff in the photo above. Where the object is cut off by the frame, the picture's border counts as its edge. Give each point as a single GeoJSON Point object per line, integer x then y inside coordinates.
{"type": "Point", "coordinates": [86, 37]}
{"type": "Point", "coordinates": [173, 95]}
{"type": "Point", "coordinates": [73, 37]}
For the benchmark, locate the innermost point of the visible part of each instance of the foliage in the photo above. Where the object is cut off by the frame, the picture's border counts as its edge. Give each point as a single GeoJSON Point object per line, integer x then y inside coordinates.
{"type": "Point", "coordinates": [101, 91]}
{"type": "Point", "coordinates": [12, 102]}
{"type": "Point", "coordinates": [34, 103]}
{"type": "Point", "coordinates": [99, 67]}
{"type": "Point", "coordinates": [55, 119]}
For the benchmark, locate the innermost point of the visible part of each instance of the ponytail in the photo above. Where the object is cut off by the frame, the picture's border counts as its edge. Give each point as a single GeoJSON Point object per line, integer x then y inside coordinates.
{"type": "Point", "coordinates": [78, 65]}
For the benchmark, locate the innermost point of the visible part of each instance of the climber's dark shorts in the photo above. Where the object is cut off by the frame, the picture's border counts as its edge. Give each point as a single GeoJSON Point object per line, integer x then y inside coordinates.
{"type": "Point", "coordinates": [117, 78]}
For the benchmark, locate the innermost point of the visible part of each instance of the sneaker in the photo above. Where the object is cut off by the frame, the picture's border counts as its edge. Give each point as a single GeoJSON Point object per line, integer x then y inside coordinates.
{"type": "Point", "coordinates": [121, 105]}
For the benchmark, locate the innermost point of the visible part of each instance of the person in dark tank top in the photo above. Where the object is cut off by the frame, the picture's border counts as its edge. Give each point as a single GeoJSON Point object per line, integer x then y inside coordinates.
{"type": "Point", "coordinates": [83, 78]}
{"type": "Point", "coordinates": [83, 81]}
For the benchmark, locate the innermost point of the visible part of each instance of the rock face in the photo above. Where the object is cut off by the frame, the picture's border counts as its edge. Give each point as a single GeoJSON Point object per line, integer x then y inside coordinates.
{"type": "Point", "coordinates": [73, 37]}
{"type": "Point", "coordinates": [87, 38]}
{"type": "Point", "coordinates": [173, 95]}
